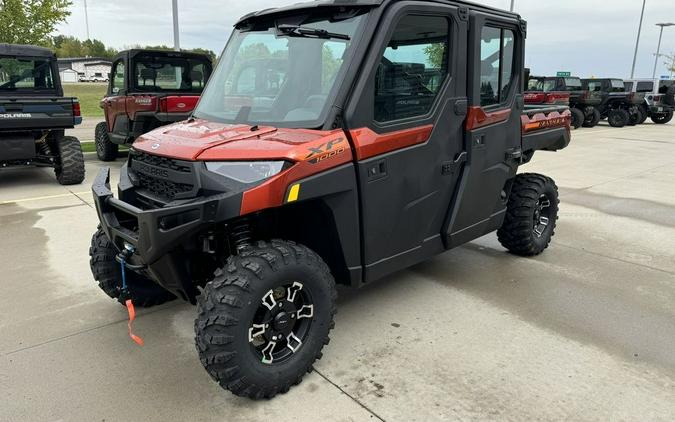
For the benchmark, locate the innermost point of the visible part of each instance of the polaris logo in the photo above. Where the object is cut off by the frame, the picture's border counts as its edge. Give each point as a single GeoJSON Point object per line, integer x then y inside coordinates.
{"type": "Point", "coordinates": [15, 115]}
{"type": "Point", "coordinates": [152, 171]}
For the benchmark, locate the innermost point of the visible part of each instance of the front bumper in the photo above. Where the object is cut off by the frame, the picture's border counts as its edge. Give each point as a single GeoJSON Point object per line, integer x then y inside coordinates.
{"type": "Point", "coordinates": [157, 235]}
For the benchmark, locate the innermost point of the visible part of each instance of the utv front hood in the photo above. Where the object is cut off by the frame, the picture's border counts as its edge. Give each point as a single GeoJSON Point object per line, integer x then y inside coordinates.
{"type": "Point", "coordinates": [211, 141]}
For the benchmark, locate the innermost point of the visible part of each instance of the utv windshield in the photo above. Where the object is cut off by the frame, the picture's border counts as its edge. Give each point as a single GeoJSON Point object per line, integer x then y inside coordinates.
{"type": "Point", "coordinates": [166, 73]}
{"type": "Point", "coordinates": [25, 73]}
{"type": "Point", "coordinates": [281, 74]}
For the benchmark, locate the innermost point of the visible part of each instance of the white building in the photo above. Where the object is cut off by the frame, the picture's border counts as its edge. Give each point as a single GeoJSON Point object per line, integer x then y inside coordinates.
{"type": "Point", "coordinates": [86, 67]}
{"type": "Point", "coordinates": [68, 76]}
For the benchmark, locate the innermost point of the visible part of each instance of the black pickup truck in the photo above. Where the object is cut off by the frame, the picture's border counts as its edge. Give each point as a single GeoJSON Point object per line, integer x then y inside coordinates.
{"type": "Point", "coordinates": [34, 114]}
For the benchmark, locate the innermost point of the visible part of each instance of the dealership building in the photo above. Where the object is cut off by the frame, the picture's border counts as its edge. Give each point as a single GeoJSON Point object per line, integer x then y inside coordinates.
{"type": "Point", "coordinates": [74, 68]}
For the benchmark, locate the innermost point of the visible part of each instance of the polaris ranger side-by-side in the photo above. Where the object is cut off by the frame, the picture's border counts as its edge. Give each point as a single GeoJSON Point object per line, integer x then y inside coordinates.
{"type": "Point", "coordinates": [393, 133]}
{"type": "Point", "coordinates": [148, 89]}
{"type": "Point", "coordinates": [568, 90]}
{"type": "Point", "coordinates": [34, 114]}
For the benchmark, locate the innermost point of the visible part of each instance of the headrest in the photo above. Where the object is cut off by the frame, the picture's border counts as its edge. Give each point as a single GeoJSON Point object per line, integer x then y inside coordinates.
{"type": "Point", "coordinates": [147, 73]}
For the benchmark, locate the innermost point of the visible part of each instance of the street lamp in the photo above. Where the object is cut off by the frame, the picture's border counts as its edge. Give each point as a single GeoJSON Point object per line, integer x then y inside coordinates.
{"type": "Point", "coordinates": [512, 1]}
{"type": "Point", "coordinates": [637, 42]}
{"type": "Point", "coordinates": [658, 49]}
{"type": "Point", "coordinates": [176, 37]}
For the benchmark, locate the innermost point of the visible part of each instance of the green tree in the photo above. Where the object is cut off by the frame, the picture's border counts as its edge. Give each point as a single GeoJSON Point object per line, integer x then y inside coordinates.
{"type": "Point", "coordinates": [435, 53]}
{"type": "Point", "coordinates": [31, 21]}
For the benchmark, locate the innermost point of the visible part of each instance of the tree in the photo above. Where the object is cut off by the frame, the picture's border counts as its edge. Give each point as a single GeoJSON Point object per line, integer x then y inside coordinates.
{"type": "Point", "coordinates": [670, 62]}
{"type": "Point", "coordinates": [435, 54]}
{"type": "Point", "coordinates": [31, 21]}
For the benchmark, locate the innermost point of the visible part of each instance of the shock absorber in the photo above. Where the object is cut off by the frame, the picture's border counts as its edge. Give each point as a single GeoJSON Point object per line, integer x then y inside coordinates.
{"type": "Point", "coordinates": [241, 235]}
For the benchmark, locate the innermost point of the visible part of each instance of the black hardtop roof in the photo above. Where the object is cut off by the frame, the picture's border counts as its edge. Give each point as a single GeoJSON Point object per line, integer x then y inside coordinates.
{"type": "Point", "coordinates": [25, 50]}
{"type": "Point", "coordinates": [148, 51]}
{"type": "Point", "coordinates": [322, 4]}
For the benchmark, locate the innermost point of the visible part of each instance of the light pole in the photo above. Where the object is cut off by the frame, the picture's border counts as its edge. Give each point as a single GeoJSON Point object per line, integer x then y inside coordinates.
{"type": "Point", "coordinates": [86, 18]}
{"type": "Point", "coordinates": [176, 36]}
{"type": "Point", "coordinates": [637, 43]}
{"type": "Point", "coordinates": [512, 1]}
{"type": "Point", "coordinates": [658, 49]}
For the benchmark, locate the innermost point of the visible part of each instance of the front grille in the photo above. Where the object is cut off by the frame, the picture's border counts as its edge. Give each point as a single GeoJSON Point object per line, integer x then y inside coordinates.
{"type": "Point", "coordinates": [162, 177]}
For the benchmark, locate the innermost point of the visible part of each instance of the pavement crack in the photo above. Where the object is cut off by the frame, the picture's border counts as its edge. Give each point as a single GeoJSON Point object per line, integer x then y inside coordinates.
{"type": "Point", "coordinates": [354, 399]}
{"type": "Point", "coordinates": [77, 195]}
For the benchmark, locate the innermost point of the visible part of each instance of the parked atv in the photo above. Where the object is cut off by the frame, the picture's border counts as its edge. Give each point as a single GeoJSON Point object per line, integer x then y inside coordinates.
{"type": "Point", "coordinates": [618, 106]}
{"type": "Point", "coordinates": [148, 89]}
{"type": "Point", "coordinates": [366, 158]}
{"type": "Point", "coordinates": [582, 103]}
{"type": "Point", "coordinates": [659, 101]}
{"type": "Point", "coordinates": [34, 114]}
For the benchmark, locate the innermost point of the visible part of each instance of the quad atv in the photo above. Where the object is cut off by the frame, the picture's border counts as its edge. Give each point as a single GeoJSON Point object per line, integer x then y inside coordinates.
{"type": "Point", "coordinates": [375, 147]}
{"type": "Point", "coordinates": [148, 89]}
{"type": "Point", "coordinates": [34, 114]}
{"type": "Point", "coordinates": [617, 105]}
{"type": "Point", "coordinates": [556, 89]}
{"type": "Point", "coordinates": [659, 101]}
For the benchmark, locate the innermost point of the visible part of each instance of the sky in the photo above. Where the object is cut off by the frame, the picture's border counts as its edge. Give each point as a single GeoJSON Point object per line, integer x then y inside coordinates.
{"type": "Point", "coordinates": [585, 37]}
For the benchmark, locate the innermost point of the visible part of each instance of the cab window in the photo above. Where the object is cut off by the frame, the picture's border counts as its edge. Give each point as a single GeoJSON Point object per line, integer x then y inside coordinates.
{"type": "Point", "coordinates": [412, 69]}
{"type": "Point", "coordinates": [496, 65]}
{"type": "Point", "coordinates": [117, 79]}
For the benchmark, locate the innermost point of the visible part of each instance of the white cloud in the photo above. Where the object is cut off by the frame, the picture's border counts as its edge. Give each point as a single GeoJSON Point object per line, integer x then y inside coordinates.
{"type": "Point", "coordinates": [587, 37]}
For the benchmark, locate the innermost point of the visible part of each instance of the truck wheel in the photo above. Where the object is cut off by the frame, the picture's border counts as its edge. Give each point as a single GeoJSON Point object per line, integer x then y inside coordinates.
{"type": "Point", "coordinates": [105, 149]}
{"type": "Point", "coordinates": [264, 318]}
{"type": "Point", "coordinates": [577, 117]}
{"type": "Point", "coordinates": [633, 116]}
{"type": "Point", "coordinates": [69, 165]}
{"type": "Point", "coordinates": [531, 215]}
{"type": "Point", "coordinates": [618, 117]}
{"type": "Point", "coordinates": [593, 119]}
{"type": "Point", "coordinates": [661, 119]}
{"type": "Point", "coordinates": [144, 292]}
{"type": "Point", "coordinates": [644, 113]}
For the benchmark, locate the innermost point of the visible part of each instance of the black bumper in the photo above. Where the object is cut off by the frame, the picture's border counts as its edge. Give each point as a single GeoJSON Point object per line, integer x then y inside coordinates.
{"type": "Point", "coordinates": [157, 235]}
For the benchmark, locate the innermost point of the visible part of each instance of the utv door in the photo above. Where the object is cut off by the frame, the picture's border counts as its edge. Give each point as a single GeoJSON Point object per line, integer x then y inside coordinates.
{"type": "Point", "coordinates": [405, 122]}
{"type": "Point", "coordinates": [493, 127]}
{"type": "Point", "coordinates": [114, 104]}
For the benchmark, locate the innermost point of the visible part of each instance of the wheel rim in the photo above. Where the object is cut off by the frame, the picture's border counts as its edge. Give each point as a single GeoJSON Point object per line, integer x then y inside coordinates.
{"type": "Point", "coordinates": [542, 216]}
{"type": "Point", "coordinates": [281, 323]}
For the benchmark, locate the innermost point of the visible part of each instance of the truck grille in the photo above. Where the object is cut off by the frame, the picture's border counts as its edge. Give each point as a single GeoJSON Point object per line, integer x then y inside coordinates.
{"type": "Point", "coordinates": [164, 177]}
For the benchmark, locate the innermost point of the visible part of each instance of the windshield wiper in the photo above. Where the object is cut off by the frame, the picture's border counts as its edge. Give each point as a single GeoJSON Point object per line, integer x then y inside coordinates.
{"type": "Point", "coordinates": [303, 31]}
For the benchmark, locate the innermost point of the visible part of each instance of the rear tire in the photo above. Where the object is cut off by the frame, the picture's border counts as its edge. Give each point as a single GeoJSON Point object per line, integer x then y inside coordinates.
{"type": "Point", "coordinates": [239, 318]}
{"type": "Point", "coordinates": [69, 163]}
{"type": "Point", "coordinates": [107, 272]}
{"type": "Point", "coordinates": [618, 117]}
{"type": "Point", "coordinates": [634, 116]}
{"type": "Point", "coordinates": [661, 119]}
{"type": "Point", "coordinates": [593, 119]}
{"type": "Point", "coordinates": [644, 113]}
{"type": "Point", "coordinates": [105, 149]}
{"type": "Point", "coordinates": [577, 117]}
{"type": "Point", "coordinates": [531, 215]}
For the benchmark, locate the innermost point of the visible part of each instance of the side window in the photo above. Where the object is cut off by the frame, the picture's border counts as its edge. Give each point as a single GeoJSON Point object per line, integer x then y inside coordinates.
{"type": "Point", "coordinates": [645, 86]}
{"type": "Point", "coordinates": [496, 64]}
{"type": "Point", "coordinates": [117, 77]}
{"type": "Point", "coordinates": [412, 69]}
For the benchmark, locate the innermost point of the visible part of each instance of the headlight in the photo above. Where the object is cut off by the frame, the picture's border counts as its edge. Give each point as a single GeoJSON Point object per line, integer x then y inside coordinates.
{"type": "Point", "coordinates": [246, 171]}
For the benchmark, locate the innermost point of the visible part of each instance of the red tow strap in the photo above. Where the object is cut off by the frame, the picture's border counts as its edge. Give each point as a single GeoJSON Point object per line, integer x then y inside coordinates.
{"type": "Point", "coordinates": [132, 317]}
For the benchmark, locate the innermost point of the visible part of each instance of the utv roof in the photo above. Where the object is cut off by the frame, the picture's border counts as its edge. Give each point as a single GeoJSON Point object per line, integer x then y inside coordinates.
{"type": "Point", "coordinates": [321, 4]}
{"type": "Point", "coordinates": [137, 51]}
{"type": "Point", "coordinates": [25, 50]}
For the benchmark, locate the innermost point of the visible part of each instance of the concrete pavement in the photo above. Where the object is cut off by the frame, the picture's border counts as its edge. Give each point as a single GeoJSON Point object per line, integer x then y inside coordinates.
{"type": "Point", "coordinates": [586, 331]}
{"type": "Point", "coordinates": [86, 131]}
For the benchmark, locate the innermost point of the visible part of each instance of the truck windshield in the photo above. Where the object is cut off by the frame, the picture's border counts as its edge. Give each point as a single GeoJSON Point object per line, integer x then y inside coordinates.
{"type": "Point", "coordinates": [175, 74]}
{"type": "Point", "coordinates": [25, 73]}
{"type": "Point", "coordinates": [280, 75]}
{"type": "Point", "coordinates": [617, 85]}
{"type": "Point", "coordinates": [573, 84]}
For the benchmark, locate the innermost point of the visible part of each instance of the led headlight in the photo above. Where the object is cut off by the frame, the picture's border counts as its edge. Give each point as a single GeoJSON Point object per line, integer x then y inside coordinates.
{"type": "Point", "coordinates": [246, 171]}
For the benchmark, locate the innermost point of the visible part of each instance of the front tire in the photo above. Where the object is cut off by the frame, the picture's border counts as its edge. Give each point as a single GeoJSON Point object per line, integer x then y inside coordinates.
{"type": "Point", "coordinates": [531, 215]}
{"type": "Point", "coordinates": [593, 119]}
{"type": "Point", "coordinates": [618, 117]}
{"type": "Point", "coordinates": [661, 119]}
{"type": "Point", "coordinates": [577, 117]}
{"type": "Point", "coordinates": [69, 163]}
{"type": "Point", "coordinates": [644, 113]}
{"type": "Point", "coordinates": [264, 318]}
{"type": "Point", "coordinates": [107, 272]}
{"type": "Point", "coordinates": [106, 150]}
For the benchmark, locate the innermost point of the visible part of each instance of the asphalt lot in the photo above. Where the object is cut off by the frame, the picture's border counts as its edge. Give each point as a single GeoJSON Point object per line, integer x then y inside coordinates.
{"type": "Point", "coordinates": [585, 331]}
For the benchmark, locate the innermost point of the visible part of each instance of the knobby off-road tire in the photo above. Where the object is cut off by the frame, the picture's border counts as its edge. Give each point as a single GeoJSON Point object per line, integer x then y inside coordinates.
{"type": "Point", "coordinates": [661, 119]}
{"type": "Point", "coordinates": [107, 272]}
{"type": "Point", "coordinates": [593, 119]}
{"type": "Point", "coordinates": [105, 149]}
{"type": "Point", "coordinates": [634, 116]}
{"type": "Point", "coordinates": [69, 163]}
{"type": "Point", "coordinates": [231, 331]}
{"type": "Point", "coordinates": [577, 117]}
{"type": "Point", "coordinates": [618, 117]}
{"type": "Point", "coordinates": [644, 114]}
{"type": "Point", "coordinates": [534, 197]}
